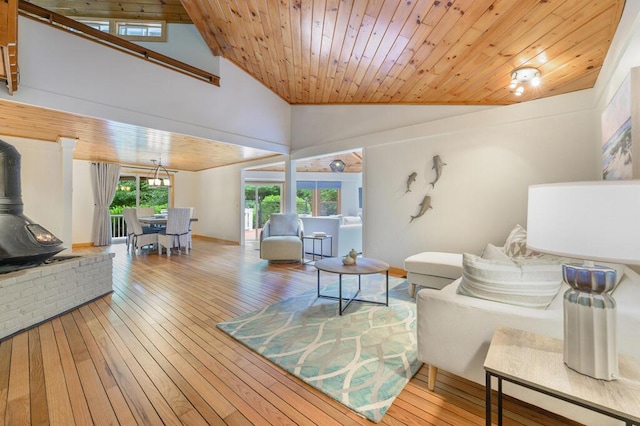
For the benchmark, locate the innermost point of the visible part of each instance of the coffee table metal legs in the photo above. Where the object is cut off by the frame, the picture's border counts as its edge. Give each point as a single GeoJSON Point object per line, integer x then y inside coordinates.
{"type": "Point", "coordinates": [353, 298]}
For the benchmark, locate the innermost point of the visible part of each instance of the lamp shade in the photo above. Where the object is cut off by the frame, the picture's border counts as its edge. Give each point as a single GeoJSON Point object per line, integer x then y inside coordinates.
{"type": "Point", "coordinates": [586, 220]}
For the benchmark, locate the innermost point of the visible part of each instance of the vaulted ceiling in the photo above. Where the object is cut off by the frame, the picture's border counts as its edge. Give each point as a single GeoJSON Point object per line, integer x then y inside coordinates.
{"type": "Point", "coordinates": [392, 51]}
{"type": "Point", "coordinates": [384, 51]}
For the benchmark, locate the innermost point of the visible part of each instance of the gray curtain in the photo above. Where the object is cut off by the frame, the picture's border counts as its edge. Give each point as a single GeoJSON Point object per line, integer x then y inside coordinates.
{"type": "Point", "coordinates": [104, 180]}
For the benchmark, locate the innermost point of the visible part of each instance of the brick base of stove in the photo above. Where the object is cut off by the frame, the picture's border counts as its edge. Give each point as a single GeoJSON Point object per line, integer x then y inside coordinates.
{"type": "Point", "coordinates": [31, 296]}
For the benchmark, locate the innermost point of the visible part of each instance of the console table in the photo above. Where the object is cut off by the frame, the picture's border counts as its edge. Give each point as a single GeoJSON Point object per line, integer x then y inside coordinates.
{"type": "Point", "coordinates": [536, 362]}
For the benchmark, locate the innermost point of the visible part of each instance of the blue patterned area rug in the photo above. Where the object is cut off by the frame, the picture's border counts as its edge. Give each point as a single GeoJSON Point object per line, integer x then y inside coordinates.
{"type": "Point", "coordinates": [363, 359]}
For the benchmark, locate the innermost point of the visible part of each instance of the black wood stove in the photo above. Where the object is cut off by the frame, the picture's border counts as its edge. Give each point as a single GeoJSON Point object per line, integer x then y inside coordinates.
{"type": "Point", "coordinates": [23, 244]}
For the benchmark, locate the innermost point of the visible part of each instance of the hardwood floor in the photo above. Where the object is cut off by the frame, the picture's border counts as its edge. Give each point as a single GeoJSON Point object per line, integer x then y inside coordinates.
{"type": "Point", "coordinates": [150, 353]}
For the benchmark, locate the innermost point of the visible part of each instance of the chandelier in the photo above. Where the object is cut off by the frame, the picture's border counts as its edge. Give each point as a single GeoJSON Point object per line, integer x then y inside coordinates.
{"type": "Point", "coordinates": [159, 176]}
{"type": "Point", "coordinates": [522, 77]}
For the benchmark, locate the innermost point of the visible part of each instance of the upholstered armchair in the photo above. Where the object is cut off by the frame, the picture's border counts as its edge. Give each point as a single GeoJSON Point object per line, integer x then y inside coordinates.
{"type": "Point", "coordinates": [281, 238]}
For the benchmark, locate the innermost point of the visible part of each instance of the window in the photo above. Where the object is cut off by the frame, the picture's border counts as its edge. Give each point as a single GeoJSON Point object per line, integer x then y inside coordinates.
{"type": "Point", "coordinates": [321, 198]}
{"type": "Point", "coordinates": [133, 191]}
{"type": "Point", "coordinates": [131, 30]}
{"type": "Point", "coordinates": [98, 25]}
{"type": "Point", "coordinates": [140, 30]}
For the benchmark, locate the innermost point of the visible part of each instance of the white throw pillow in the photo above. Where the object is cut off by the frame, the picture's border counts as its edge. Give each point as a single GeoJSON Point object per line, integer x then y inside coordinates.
{"type": "Point", "coordinates": [532, 285]}
{"type": "Point", "coordinates": [351, 220]}
{"type": "Point", "coordinates": [283, 224]}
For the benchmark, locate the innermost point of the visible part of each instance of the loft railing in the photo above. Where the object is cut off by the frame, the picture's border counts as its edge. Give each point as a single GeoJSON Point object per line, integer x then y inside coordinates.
{"type": "Point", "coordinates": [61, 22]}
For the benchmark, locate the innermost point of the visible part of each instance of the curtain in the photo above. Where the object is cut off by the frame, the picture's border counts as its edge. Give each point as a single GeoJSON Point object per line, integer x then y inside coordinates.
{"type": "Point", "coordinates": [104, 180]}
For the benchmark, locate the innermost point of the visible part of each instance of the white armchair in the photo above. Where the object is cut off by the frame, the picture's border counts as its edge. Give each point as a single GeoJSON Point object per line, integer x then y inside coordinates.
{"type": "Point", "coordinates": [281, 238]}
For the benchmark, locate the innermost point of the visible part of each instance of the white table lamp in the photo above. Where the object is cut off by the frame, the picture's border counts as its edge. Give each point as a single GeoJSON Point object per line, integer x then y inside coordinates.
{"type": "Point", "coordinates": [595, 221]}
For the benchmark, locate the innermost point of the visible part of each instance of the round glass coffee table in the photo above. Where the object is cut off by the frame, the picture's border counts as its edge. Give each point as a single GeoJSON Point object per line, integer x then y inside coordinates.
{"type": "Point", "coordinates": [363, 266]}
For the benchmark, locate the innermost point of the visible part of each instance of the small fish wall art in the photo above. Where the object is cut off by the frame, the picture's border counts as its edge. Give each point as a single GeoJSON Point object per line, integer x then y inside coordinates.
{"type": "Point", "coordinates": [438, 164]}
{"type": "Point", "coordinates": [410, 180]}
{"type": "Point", "coordinates": [424, 206]}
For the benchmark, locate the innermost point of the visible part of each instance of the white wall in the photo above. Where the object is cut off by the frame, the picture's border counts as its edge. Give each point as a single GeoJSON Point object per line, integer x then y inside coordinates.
{"type": "Point", "coordinates": [335, 123]}
{"type": "Point", "coordinates": [482, 192]}
{"type": "Point", "coordinates": [41, 182]}
{"type": "Point", "coordinates": [185, 194]}
{"type": "Point", "coordinates": [65, 72]}
{"type": "Point", "coordinates": [219, 199]}
{"type": "Point", "coordinates": [185, 44]}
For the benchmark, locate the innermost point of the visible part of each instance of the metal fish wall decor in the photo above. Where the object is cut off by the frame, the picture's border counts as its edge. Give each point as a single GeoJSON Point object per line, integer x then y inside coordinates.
{"type": "Point", "coordinates": [438, 164]}
{"type": "Point", "coordinates": [424, 206]}
{"type": "Point", "coordinates": [410, 180]}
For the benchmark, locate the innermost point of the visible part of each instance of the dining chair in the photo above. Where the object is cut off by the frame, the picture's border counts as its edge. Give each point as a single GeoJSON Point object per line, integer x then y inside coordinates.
{"type": "Point", "coordinates": [137, 237]}
{"type": "Point", "coordinates": [192, 214]}
{"type": "Point", "coordinates": [177, 232]}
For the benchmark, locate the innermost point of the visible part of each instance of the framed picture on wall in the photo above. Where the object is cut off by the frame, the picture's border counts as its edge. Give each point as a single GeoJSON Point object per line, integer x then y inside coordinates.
{"type": "Point", "coordinates": [617, 160]}
{"type": "Point", "coordinates": [621, 132]}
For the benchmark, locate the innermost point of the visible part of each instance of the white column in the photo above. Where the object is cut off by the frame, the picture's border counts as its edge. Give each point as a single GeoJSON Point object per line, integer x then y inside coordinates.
{"type": "Point", "coordinates": [290, 185]}
{"type": "Point", "coordinates": [66, 146]}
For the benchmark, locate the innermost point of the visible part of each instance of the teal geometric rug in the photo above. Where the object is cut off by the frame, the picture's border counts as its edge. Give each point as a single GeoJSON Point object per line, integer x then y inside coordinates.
{"type": "Point", "coordinates": [362, 359]}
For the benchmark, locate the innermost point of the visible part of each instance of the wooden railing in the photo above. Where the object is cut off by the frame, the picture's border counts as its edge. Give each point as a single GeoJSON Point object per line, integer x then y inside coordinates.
{"type": "Point", "coordinates": [8, 43]}
{"type": "Point", "coordinates": [39, 14]}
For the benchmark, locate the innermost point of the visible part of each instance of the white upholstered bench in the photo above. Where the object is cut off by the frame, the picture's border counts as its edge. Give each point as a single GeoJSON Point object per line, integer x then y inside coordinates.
{"type": "Point", "coordinates": [432, 269]}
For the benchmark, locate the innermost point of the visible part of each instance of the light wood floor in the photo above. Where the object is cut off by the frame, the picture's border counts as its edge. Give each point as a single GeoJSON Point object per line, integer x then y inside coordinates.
{"type": "Point", "coordinates": [150, 353]}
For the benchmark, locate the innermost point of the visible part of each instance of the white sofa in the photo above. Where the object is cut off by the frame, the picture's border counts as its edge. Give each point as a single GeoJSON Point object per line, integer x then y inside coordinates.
{"type": "Point", "coordinates": [454, 332]}
{"type": "Point", "coordinates": [345, 231]}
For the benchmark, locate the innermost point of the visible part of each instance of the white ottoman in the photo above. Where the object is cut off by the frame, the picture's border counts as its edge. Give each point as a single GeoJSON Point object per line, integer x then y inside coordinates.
{"type": "Point", "coordinates": [432, 269]}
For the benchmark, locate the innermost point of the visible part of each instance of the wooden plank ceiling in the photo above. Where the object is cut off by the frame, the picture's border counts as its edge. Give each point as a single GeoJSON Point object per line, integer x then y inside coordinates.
{"type": "Point", "coordinates": [392, 51]}
{"type": "Point", "coordinates": [109, 141]}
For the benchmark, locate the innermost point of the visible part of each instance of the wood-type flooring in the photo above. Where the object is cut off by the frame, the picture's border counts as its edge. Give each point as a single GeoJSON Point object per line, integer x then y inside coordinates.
{"type": "Point", "coordinates": [150, 354]}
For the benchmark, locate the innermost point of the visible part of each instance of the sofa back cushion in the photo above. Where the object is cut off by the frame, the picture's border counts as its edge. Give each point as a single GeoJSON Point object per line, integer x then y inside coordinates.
{"type": "Point", "coordinates": [530, 284]}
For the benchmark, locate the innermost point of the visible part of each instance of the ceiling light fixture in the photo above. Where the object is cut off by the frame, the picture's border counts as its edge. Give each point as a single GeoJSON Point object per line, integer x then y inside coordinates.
{"type": "Point", "coordinates": [522, 77]}
{"type": "Point", "coordinates": [156, 178]}
{"type": "Point", "coordinates": [337, 165]}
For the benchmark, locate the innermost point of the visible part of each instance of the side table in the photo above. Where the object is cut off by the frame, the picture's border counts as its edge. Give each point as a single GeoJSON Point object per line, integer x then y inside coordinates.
{"type": "Point", "coordinates": [314, 238]}
{"type": "Point", "coordinates": [536, 362]}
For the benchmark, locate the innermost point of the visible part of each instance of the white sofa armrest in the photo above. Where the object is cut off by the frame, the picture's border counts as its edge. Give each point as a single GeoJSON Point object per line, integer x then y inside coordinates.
{"type": "Point", "coordinates": [454, 331]}
{"type": "Point", "coordinates": [350, 238]}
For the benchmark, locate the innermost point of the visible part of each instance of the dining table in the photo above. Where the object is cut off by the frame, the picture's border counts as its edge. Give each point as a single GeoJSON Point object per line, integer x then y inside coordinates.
{"type": "Point", "coordinates": [158, 219]}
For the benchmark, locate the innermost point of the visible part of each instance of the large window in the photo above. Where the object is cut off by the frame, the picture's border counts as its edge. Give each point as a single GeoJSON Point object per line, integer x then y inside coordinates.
{"type": "Point", "coordinates": [318, 198]}
{"type": "Point", "coordinates": [134, 191]}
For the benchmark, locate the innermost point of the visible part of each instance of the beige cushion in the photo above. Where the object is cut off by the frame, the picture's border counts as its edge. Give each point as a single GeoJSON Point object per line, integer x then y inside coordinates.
{"type": "Point", "coordinates": [496, 253]}
{"type": "Point", "coordinates": [516, 244]}
{"type": "Point", "coordinates": [439, 264]}
{"type": "Point", "coordinates": [283, 224]}
{"type": "Point", "coordinates": [530, 284]}
{"type": "Point", "coordinates": [281, 248]}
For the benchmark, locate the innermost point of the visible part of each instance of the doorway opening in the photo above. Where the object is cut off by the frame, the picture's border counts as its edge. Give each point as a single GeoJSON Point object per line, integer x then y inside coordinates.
{"type": "Point", "coordinates": [260, 200]}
